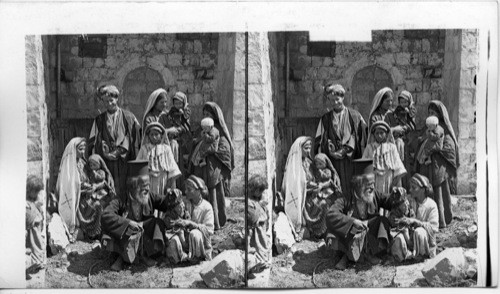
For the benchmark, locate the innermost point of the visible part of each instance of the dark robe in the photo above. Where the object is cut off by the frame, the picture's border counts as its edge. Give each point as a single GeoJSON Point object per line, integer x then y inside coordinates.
{"type": "Point", "coordinates": [118, 168]}
{"type": "Point", "coordinates": [354, 143]}
{"type": "Point", "coordinates": [442, 167]}
{"type": "Point", "coordinates": [343, 212]}
{"type": "Point", "coordinates": [115, 223]}
{"type": "Point", "coordinates": [217, 176]}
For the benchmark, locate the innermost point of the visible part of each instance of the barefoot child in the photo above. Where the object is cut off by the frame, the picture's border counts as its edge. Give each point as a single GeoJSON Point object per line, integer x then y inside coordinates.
{"type": "Point", "coordinates": [155, 148]}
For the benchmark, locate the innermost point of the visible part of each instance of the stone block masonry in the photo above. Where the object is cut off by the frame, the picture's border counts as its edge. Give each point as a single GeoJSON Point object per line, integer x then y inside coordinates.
{"type": "Point", "coordinates": [176, 62]}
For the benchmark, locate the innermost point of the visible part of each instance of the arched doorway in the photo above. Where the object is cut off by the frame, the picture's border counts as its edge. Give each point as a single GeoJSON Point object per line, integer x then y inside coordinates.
{"type": "Point", "coordinates": [137, 86]}
{"type": "Point", "coordinates": [365, 84]}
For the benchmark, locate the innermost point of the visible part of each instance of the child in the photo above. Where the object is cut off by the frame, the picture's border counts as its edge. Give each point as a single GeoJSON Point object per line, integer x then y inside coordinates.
{"type": "Point", "coordinates": [321, 195]}
{"type": "Point", "coordinates": [100, 178]}
{"type": "Point", "coordinates": [258, 221]}
{"type": "Point", "coordinates": [34, 222]}
{"type": "Point", "coordinates": [178, 211]}
{"type": "Point", "coordinates": [155, 148]}
{"type": "Point", "coordinates": [402, 121]}
{"type": "Point", "coordinates": [210, 142]}
{"type": "Point", "coordinates": [387, 165]}
{"type": "Point", "coordinates": [434, 140]}
{"type": "Point", "coordinates": [178, 116]}
{"type": "Point", "coordinates": [400, 208]}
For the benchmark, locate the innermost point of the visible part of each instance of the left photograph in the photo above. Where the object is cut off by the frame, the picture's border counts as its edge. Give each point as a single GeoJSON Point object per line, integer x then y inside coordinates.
{"type": "Point", "coordinates": [136, 161]}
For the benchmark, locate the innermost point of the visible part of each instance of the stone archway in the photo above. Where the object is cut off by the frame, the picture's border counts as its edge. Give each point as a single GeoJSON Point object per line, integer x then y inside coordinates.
{"type": "Point", "coordinates": [137, 86]}
{"type": "Point", "coordinates": [365, 84]}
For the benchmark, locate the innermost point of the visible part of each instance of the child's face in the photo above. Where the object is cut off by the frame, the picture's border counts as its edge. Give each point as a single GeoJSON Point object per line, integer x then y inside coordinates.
{"type": "Point", "coordinates": [206, 129]}
{"type": "Point", "coordinates": [155, 137]}
{"type": "Point", "coordinates": [179, 209]}
{"type": "Point", "coordinates": [380, 135]}
{"type": "Point", "coordinates": [319, 164]}
{"type": "Point", "coordinates": [433, 135]}
{"type": "Point", "coordinates": [403, 102]}
{"type": "Point", "coordinates": [178, 104]}
{"type": "Point", "coordinates": [94, 165]}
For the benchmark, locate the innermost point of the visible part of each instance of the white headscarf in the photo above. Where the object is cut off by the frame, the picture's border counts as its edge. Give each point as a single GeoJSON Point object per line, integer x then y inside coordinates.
{"type": "Point", "coordinates": [151, 103]}
{"type": "Point", "coordinates": [68, 184]}
{"type": "Point", "coordinates": [294, 183]}
{"type": "Point", "coordinates": [377, 101]}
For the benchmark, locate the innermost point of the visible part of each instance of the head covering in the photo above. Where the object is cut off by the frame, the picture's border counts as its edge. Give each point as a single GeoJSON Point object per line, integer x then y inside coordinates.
{"type": "Point", "coordinates": [181, 97]}
{"type": "Point", "coordinates": [174, 197]}
{"type": "Point", "coordinates": [219, 120]}
{"type": "Point", "coordinates": [377, 101]}
{"type": "Point", "coordinates": [406, 96]}
{"type": "Point", "coordinates": [137, 168]}
{"type": "Point", "coordinates": [380, 125]}
{"type": "Point", "coordinates": [383, 125]}
{"type": "Point", "coordinates": [323, 158]}
{"type": "Point", "coordinates": [446, 124]}
{"type": "Point", "coordinates": [432, 121]}
{"type": "Point", "coordinates": [420, 180]}
{"type": "Point", "coordinates": [68, 184]}
{"type": "Point", "coordinates": [108, 90]}
{"type": "Point", "coordinates": [207, 122]}
{"type": "Point", "coordinates": [335, 88]}
{"type": "Point", "coordinates": [150, 104]}
{"type": "Point", "coordinates": [155, 126]}
{"type": "Point", "coordinates": [294, 183]}
{"type": "Point", "coordinates": [362, 166]}
{"type": "Point", "coordinates": [197, 182]}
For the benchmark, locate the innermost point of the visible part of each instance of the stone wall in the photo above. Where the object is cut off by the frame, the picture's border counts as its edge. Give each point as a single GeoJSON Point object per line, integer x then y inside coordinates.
{"type": "Point", "coordinates": [469, 61]}
{"type": "Point", "coordinates": [413, 60]}
{"type": "Point", "coordinates": [184, 62]}
{"type": "Point", "coordinates": [36, 108]}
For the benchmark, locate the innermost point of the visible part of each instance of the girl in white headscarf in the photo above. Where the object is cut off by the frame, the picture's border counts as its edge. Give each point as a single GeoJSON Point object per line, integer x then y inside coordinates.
{"type": "Point", "coordinates": [71, 182]}
{"type": "Point", "coordinates": [297, 174]}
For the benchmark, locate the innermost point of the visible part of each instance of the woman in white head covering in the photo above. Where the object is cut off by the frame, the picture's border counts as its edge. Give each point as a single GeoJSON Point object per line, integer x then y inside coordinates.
{"type": "Point", "coordinates": [71, 182]}
{"type": "Point", "coordinates": [155, 107]}
{"type": "Point", "coordinates": [297, 174]}
{"type": "Point", "coordinates": [382, 103]}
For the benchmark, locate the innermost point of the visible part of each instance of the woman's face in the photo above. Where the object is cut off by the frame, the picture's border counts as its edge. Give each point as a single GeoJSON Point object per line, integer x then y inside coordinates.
{"type": "Point", "coordinates": [192, 193]}
{"type": "Point", "coordinates": [416, 191]}
{"type": "Point", "coordinates": [207, 113]}
{"type": "Point", "coordinates": [80, 150]}
{"type": "Point", "coordinates": [94, 165]}
{"type": "Point", "coordinates": [404, 103]}
{"type": "Point", "coordinates": [386, 103]}
{"type": "Point", "coordinates": [155, 137]}
{"type": "Point", "coordinates": [178, 104]}
{"type": "Point", "coordinates": [380, 135]}
{"type": "Point", "coordinates": [433, 112]}
{"type": "Point", "coordinates": [306, 149]}
{"type": "Point", "coordinates": [161, 103]}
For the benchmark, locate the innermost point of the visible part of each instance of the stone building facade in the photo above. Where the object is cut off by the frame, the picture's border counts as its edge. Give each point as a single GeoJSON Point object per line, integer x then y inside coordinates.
{"type": "Point", "coordinates": [431, 64]}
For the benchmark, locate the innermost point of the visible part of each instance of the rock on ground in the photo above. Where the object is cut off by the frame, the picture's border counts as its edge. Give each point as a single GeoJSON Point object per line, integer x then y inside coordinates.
{"type": "Point", "coordinates": [406, 275]}
{"type": "Point", "coordinates": [187, 277]}
{"type": "Point", "coordinates": [226, 270]}
{"type": "Point", "coordinates": [261, 279]}
{"type": "Point", "coordinates": [446, 267]}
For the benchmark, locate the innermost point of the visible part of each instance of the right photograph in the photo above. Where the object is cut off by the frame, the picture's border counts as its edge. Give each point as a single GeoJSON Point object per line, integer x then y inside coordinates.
{"type": "Point", "coordinates": [362, 160]}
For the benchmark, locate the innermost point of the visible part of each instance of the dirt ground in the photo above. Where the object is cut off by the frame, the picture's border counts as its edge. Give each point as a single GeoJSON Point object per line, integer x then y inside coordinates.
{"type": "Point", "coordinates": [72, 270]}
{"type": "Point", "coordinates": [295, 270]}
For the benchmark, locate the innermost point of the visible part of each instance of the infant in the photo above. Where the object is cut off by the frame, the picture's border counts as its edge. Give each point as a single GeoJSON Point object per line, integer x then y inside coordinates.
{"type": "Point", "coordinates": [97, 177]}
{"type": "Point", "coordinates": [209, 142]}
{"type": "Point", "coordinates": [434, 140]}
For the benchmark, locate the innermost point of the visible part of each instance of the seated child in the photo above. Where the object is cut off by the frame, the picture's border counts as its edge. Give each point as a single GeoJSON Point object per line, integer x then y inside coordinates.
{"type": "Point", "coordinates": [209, 142]}
{"type": "Point", "coordinates": [400, 208]}
{"type": "Point", "coordinates": [434, 140]}
{"type": "Point", "coordinates": [101, 181]}
{"type": "Point", "coordinates": [178, 211]}
{"type": "Point", "coordinates": [35, 255]}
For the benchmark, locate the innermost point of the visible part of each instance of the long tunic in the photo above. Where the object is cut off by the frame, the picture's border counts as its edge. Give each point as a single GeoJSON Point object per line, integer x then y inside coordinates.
{"type": "Point", "coordinates": [119, 130]}
{"type": "Point", "coordinates": [347, 131]}
{"type": "Point", "coordinates": [162, 166]}
{"type": "Point", "coordinates": [386, 163]}
{"type": "Point", "coordinates": [34, 239]}
{"type": "Point", "coordinates": [116, 219]}
{"type": "Point", "coordinates": [443, 166]}
{"type": "Point", "coordinates": [217, 175]}
{"type": "Point", "coordinates": [258, 222]}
